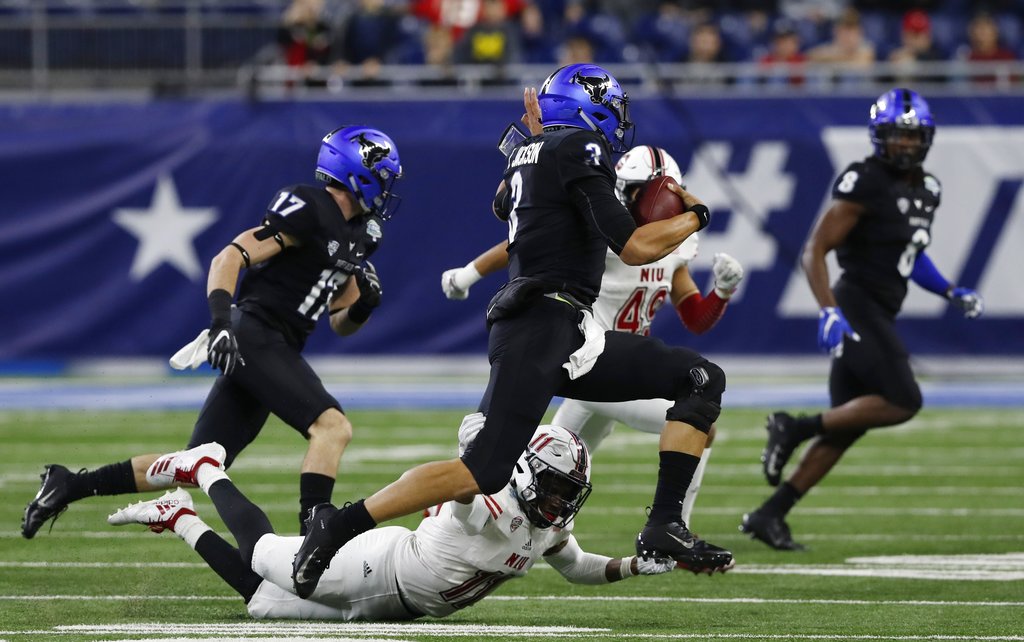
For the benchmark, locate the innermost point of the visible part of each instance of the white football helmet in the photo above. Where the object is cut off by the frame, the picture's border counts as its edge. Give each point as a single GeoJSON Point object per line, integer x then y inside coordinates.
{"type": "Point", "coordinates": [552, 477]}
{"type": "Point", "coordinates": [641, 164]}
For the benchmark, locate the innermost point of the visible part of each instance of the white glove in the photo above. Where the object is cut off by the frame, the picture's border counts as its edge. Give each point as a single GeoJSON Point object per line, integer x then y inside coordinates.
{"type": "Point", "coordinates": [969, 301]}
{"type": "Point", "coordinates": [456, 282]}
{"type": "Point", "coordinates": [471, 425]}
{"type": "Point", "coordinates": [728, 274]}
{"type": "Point", "coordinates": [654, 565]}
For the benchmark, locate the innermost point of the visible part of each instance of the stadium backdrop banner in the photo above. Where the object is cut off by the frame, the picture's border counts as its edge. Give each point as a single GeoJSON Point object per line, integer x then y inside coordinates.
{"type": "Point", "coordinates": [113, 211]}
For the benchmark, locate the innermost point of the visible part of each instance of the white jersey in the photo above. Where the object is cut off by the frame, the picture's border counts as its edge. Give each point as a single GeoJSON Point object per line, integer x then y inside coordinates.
{"type": "Point", "coordinates": [630, 297]}
{"type": "Point", "coordinates": [449, 562]}
{"type": "Point", "coordinates": [468, 550]}
{"type": "Point", "coordinates": [632, 294]}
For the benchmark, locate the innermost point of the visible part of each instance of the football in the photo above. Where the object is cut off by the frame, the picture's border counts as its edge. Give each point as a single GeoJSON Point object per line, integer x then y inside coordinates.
{"type": "Point", "coordinates": [656, 202]}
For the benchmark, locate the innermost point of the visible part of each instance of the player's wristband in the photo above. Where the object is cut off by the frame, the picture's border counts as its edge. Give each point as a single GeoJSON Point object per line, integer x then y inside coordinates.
{"type": "Point", "coordinates": [626, 567]}
{"type": "Point", "coordinates": [359, 311]}
{"type": "Point", "coordinates": [467, 276]}
{"type": "Point", "coordinates": [703, 214]}
{"type": "Point", "coordinates": [220, 306]}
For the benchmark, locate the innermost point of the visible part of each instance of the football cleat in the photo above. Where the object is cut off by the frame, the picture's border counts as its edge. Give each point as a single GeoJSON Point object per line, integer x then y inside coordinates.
{"type": "Point", "coordinates": [49, 502]}
{"type": "Point", "coordinates": [157, 514]}
{"type": "Point", "coordinates": [180, 467]}
{"type": "Point", "coordinates": [780, 446]}
{"type": "Point", "coordinates": [771, 529]}
{"type": "Point", "coordinates": [674, 540]}
{"type": "Point", "coordinates": [316, 551]}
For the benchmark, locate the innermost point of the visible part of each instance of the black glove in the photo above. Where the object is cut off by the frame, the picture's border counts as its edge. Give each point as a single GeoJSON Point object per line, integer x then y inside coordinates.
{"type": "Point", "coordinates": [222, 351]}
{"type": "Point", "coordinates": [369, 294]}
{"type": "Point", "coordinates": [369, 285]}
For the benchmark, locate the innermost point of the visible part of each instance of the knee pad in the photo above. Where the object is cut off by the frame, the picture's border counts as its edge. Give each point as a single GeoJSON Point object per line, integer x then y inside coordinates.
{"type": "Point", "coordinates": [699, 402]}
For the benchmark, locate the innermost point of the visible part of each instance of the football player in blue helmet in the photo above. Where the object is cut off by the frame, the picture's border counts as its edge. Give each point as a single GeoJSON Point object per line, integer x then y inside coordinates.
{"type": "Point", "coordinates": [902, 128]}
{"type": "Point", "coordinates": [879, 224]}
{"type": "Point", "coordinates": [587, 96]}
{"type": "Point", "coordinates": [305, 256]}
{"type": "Point", "coordinates": [365, 162]}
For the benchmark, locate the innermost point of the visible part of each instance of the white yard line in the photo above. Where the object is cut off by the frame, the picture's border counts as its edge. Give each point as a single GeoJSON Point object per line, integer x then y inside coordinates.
{"type": "Point", "coordinates": [556, 598]}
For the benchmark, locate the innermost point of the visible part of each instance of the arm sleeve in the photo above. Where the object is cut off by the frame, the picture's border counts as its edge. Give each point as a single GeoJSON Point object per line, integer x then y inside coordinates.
{"type": "Point", "coordinates": [595, 198]}
{"type": "Point", "coordinates": [926, 275]}
{"type": "Point", "coordinates": [700, 313]}
{"type": "Point", "coordinates": [578, 566]}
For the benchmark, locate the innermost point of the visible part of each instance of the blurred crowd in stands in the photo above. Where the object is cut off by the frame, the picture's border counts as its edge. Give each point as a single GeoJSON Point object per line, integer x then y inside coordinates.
{"type": "Point", "coordinates": [368, 33]}
{"type": "Point", "coordinates": [816, 43]}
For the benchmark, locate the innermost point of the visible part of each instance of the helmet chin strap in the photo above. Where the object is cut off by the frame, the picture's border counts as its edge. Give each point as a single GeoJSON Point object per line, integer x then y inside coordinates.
{"type": "Point", "coordinates": [586, 119]}
{"type": "Point", "coordinates": [358, 193]}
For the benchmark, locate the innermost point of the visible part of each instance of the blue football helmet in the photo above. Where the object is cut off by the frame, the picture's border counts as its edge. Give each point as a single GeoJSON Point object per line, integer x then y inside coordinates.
{"type": "Point", "coordinates": [365, 162]}
{"type": "Point", "coordinates": [901, 110]}
{"type": "Point", "coordinates": [587, 96]}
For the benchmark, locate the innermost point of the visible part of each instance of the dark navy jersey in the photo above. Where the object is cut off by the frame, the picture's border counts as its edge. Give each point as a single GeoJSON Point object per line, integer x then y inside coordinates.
{"type": "Point", "coordinates": [292, 289]}
{"type": "Point", "coordinates": [549, 237]}
{"type": "Point", "coordinates": [880, 250]}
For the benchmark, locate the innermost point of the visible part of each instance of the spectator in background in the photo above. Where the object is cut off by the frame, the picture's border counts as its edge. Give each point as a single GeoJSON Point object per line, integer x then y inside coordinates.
{"type": "Point", "coordinates": [458, 15]}
{"type": "Point", "coordinates": [706, 44]}
{"type": "Point", "coordinates": [984, 46]}
{"type": "Point", "coordinates": [537, 45]}
{"type": "Point", "coordinates": [368, 34]}
{"type": "Point", "coordinates": [916, 46]}
{"type": "Point", "coordinates": [575, 49]}
{"type": "Point", "coordinates": [983, 39]}
{"type": "Point", "coordinates": [848, 46]}
{"type": "Point", "coordinates": [916, 40]}
{"type": "Point", "coordinates": [492, 40]}
{"type": "Point", "coordinates": [705, 51]}
{"type": "Point", "coordinates": [784, 52]}
{"type": "Point", "coordinates": [304, 38]}
{"type": "Point", "coordinates": [438, 52]}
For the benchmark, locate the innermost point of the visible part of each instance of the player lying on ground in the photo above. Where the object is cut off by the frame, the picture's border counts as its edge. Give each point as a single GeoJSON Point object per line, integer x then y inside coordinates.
{"type": "Point", "coordinates": [449, 562]}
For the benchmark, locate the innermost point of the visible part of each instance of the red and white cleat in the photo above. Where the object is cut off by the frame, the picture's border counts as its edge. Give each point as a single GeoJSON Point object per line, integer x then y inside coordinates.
{"type": "Point", "coordinates": [180, 467]}
{"type": "Point", "coordinates": [157, 514]}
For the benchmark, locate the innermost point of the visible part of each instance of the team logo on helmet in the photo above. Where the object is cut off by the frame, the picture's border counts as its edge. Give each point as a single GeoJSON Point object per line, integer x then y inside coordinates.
{"type": "Point", "coordinates": [371, 151]}
{"type": "Point", "coordinates": [595, 86]}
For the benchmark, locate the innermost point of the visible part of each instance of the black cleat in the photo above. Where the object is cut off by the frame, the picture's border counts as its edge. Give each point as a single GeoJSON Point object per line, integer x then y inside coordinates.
{"type": "Point", "coordinates": [771, 529]}
{"type": "Point", "coordinates": [49, 502]}
{"type": "Point", "coordinates": [676, 541]}
{"type": "Point", "coordinates": [780, 446]}
{"type": "Point", "coordinates": [316, 552]}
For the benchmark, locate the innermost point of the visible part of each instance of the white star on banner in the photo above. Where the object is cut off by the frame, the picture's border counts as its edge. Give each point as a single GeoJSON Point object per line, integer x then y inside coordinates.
{"type": "Point", "coordinates": [166, 232]}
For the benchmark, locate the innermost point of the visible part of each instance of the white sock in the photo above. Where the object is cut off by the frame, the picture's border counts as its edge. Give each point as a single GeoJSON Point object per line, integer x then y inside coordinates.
{"type": "Point", "coordinates": [190, 528]}
{"type": "Point", "coordinates": [691, 492]}
{"type": "Point", "coordinates": [207, 474]}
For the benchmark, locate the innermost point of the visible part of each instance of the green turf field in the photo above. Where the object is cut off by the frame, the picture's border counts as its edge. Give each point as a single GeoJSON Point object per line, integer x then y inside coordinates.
{"type": "Point", "coordinates": [950, 483]}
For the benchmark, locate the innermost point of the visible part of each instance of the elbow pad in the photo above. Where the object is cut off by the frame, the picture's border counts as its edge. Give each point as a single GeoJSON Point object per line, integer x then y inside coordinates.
{"type": "Point", "coordinates": [596, 200]}
{"type": "Point", "coordinates": [578, 566]}
{"type": "Point", "coordinates": [502, 205]}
